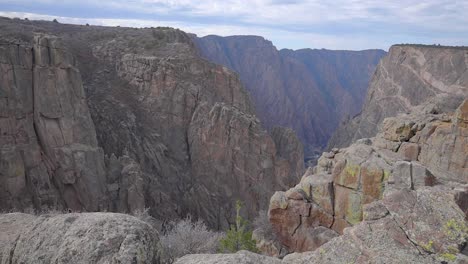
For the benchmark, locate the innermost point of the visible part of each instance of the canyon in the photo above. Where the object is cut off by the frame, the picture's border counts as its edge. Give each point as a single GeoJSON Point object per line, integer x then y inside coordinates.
{"type": "Point", "coordinates": [122, 119]}
{"type": "Point", "coordinates": [310, 91]}
{"type": "Point", "coordinates": [396, 196]}
{"type": "Point", "coordinates": [98, 123]}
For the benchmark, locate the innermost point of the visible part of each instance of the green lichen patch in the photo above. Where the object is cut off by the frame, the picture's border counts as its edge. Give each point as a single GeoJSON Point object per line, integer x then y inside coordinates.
{"type": "Point", "coordinates": [456, 230]}
{"type": "Point", "coordinates": [386, 175]}
{"type": "Point", "coordinates": [429, 246]}
{"type": "Point", "coordinates": [354, 209]}
{"type": "Point", "coordinates": [448, 256]}
{"type": "Point", "coordinates": [352, 170]}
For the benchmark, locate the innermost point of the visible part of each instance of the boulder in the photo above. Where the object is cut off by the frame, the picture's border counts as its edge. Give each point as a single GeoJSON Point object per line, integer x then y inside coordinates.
{"type": "Point", "coordinates": [76, 238]}
{"type": "Point", "coordinates": [302, 216]}
{"type": "Point", "coordinates": [241, 257]}
{"type": "Point", "coordinates": [430, 217]}
{"type": "Point", "coordinates": [422, 226]}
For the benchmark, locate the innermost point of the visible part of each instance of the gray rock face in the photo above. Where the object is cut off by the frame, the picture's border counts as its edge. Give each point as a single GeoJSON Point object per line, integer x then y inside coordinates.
{"type": "Point", "coordinates": [422, 226]}
{"type": "Point", "coordinates": [244, 257]}
{"type": "Point", "coordinates": [373, 179]}
{"type": "Point", "coordinates": [407, 77]}
{"type": "Point", "coordinates": [48, 149]}
{"type": "Point", "coordinates": [178, 134]}
{"type": "Point", "coordinates": [290, 152]}
{"type": "Point", "coordinates": [310, 91]}
{"type": "Point", "coordinates": [76, 238]}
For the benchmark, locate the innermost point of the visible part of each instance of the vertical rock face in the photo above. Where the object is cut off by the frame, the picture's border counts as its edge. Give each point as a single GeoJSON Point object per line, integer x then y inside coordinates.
{"type": "Point", "coordinates": [49, 150]}
{"type": "Point", "coordinates": [178, 134]}
{"type": "Point", "coordinates": [413, 159]}
{"type": "Point", "coordinates": [290, 152]}
{"type": "Point", "coordinates": [310, 91]}
{"type": "Point", "coordinates": [407, 77]}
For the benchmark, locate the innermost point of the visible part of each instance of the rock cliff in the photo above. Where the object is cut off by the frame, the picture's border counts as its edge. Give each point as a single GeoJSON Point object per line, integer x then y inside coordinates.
{"type": "Point", "coordinates": [49, 153]}
{"type": "Point", "coordinates": [101, 118]}
{"type": "Point", "coordinates": [410, 75]}
{"type": "Point", "coordinates": [380, 200]}
{"type": "Point", "coordinates": [310, 91]}
{"type": "Point", "coordinates": [408, 182]}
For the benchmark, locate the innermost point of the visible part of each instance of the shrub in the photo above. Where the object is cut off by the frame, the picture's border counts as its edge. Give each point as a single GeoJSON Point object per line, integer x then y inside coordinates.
{"type": "Point", "coordinates": [263, 226]}
{"type": "Point", "coordinates": [238, 237]}
{"type": "Point", "coordinates": [187, 237]}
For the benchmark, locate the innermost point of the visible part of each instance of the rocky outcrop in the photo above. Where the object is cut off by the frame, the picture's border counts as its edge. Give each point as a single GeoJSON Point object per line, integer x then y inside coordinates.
{"type": "Point", "coordinates": [409, 76]}
{"type": "Point", "coordinates": [407, 226]}
{"type": "Point", "coordinates": [76, 238]}
{"type": "Point", "coordinates": [415, 158]}
{"type": "Point", "coordinates": [172, 132]}
{"type": "Point", "coordinates": [49, 153]}
{"type": "Point", "coordinates": [242, 256]}
{"type": "Point", "coordinates": [310, 91]}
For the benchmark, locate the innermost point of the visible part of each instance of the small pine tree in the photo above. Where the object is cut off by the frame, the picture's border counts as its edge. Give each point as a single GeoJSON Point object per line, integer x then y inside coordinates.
{"type": "Point", "coordinates": [238, 237]}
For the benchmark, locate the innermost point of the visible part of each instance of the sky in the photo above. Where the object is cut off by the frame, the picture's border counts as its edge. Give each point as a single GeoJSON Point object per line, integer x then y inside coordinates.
{"type": "Point", "coordinates": [292, 24]}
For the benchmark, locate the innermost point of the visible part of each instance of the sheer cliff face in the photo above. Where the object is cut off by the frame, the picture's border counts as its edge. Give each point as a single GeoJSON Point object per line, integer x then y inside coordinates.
{"type": "Point", "coordinates": [48, 152]}
{"type": "Point", "coordinates": [307, 90]}
{"type": "Point", "coordinates": [173, 132]}
{"type": "Point", "coordinates": [407, 77]}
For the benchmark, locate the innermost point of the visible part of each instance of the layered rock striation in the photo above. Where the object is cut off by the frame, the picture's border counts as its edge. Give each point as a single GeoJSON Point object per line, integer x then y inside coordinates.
{"type": "Point", "coordinates": [309, 91]}
{"type": "Point", "coordinates": [409, 76]}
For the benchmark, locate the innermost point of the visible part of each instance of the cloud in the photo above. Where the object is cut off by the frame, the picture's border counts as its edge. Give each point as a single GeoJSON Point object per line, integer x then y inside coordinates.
{"type": "Point", "coordinates": [289, 23]}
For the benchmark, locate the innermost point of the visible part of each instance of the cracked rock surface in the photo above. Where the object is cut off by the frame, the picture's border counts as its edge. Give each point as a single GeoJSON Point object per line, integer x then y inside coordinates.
{"type": "Point", "coordinates": [122, 119]}
{"type": "Point", "coordinates": [76, 238]}
{"type": "Point", "coordinates": [372, 179]}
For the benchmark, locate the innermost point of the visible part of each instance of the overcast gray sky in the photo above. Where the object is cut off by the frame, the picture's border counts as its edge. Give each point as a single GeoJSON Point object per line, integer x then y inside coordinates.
{"type": "Point", "coordinates": [294, 24]}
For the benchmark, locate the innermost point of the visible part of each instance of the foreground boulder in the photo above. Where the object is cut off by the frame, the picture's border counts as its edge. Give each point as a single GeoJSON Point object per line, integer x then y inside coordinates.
{"type": "Point", "coordinates": [244, 257]}
{"type": "Point", "coordinates": [76, 238]}
{"type": "Point", "coordinates": [407, 226]}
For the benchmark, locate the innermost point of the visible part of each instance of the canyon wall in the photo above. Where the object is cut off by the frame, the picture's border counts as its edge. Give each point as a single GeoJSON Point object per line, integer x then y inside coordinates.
{"type": "Point", "coordinates": [123, 119]}
{"type": "Point", "coordinates": [407, 77]}
{"type": "Point", "coordinates": [409, 178]}
{"type": "Point", "coordinates": [310, 91]}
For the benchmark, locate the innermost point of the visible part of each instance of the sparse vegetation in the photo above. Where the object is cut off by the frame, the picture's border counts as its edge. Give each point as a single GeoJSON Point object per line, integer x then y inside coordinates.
{"type": "Point", "coordinates": [262, 225]}
{"type": "Point", "coordinates": [187, 237]}
{"type": "Point", "coordinates": [238, 237]}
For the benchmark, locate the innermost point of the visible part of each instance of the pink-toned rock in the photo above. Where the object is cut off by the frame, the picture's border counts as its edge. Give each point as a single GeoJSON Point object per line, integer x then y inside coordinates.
{"type": "Point", "coordinates": [409, 151]}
